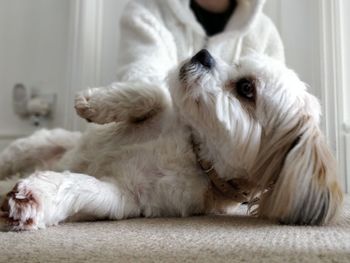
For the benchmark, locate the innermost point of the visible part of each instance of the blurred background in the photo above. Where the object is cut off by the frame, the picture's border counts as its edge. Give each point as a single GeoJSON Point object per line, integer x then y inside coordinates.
{"type": "Point", "coordinates": [49, 49]}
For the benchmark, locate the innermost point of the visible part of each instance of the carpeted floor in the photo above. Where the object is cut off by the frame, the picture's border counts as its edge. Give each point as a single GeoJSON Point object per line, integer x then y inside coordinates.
{"type": "Point", "coordinates": [197, 239]}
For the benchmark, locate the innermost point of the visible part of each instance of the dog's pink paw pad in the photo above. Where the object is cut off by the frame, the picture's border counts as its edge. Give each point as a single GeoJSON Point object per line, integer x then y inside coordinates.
{"type": "Point", "coordinates": [83, 107]}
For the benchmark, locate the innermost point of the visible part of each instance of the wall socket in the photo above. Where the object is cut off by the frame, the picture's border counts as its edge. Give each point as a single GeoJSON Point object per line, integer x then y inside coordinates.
{"type": "Point", "coordinates": [33, 104]}
{"type": "Point", "coordinates": [20, 100]}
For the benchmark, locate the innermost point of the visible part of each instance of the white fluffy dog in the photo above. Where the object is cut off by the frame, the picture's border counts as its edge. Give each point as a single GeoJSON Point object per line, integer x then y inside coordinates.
{"type": "Point", "coordinates": [220, 136]}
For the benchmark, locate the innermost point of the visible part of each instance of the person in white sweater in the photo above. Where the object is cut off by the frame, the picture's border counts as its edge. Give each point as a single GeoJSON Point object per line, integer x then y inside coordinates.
{"type": "Point", "coordinates": [156, 35]}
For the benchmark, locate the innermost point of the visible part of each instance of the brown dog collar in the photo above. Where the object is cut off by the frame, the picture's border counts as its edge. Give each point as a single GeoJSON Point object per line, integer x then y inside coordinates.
{"type": "Point", "coordinates": [235, 189]}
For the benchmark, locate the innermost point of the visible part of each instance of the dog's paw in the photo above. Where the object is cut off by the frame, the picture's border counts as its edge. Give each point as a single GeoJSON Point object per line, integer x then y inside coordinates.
{"type": "Point", "coordinates": [90, 106]}
{"type": "Point", "coordinates": [22, 208]}
{"type": "Point", "coordinates": [84, 105]}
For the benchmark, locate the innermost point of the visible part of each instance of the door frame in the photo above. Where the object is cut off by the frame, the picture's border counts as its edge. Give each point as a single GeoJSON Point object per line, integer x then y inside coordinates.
{"type": "Point", "coordinates": [84, 56]}
{"type": "Point", "coordinates": [332, 70]}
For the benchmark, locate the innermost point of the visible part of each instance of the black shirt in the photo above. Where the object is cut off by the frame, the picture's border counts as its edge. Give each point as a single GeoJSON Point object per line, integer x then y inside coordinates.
{"type": "Point", "coordinates": [213, 23]}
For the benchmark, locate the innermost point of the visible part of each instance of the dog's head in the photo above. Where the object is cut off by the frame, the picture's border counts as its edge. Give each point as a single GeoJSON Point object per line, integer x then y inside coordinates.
{"type": "Point", "coordinates": [257, 117]}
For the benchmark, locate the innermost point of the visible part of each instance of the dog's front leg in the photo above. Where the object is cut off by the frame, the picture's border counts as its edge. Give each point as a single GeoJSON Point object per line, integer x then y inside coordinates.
{"type": "Point", "coordinates": [47, 198]}
{"type": "Point", "coordinates": [130, 103]}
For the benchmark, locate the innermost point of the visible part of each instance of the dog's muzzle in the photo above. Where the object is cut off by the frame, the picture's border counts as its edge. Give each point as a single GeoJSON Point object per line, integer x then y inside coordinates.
{"type": "Point", "coordinates": [198, 64]}
{"type": "Point", "coordinates": [204, 58]}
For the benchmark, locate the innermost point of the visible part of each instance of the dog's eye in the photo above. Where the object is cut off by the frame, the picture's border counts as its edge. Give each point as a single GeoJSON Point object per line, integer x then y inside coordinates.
{"type": "Point", "coordinates": [246, 88]}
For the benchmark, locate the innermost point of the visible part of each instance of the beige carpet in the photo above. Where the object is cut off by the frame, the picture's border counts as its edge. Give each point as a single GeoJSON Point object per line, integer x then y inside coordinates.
{"type": "Point", "coordinates": [197, 239]}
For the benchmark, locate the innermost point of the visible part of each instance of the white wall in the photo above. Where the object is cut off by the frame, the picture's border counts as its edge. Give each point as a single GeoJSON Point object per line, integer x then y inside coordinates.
{"type": "Point", "coordinates": [33, 51]}
{"type": "Point", "coordinates": [296, 22]}
{"type": "Point", "coordinates": [56, 46]}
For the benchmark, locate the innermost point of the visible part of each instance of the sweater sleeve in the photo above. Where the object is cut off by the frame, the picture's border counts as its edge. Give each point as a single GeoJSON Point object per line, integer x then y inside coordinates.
{"type": "Point", "coordinates": [147, 50]}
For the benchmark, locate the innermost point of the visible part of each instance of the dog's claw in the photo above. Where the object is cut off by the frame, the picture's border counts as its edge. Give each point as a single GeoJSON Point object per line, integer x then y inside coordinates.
{"type": "Point", "coordinates": [21, 208]}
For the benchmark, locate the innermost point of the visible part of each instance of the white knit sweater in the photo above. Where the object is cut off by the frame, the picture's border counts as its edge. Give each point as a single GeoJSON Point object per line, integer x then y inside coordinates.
{"type": "Point", "coordinates": [158, 34]}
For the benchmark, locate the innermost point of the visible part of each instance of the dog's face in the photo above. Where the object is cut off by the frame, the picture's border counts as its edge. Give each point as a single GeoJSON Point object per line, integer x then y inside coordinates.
{"type": "Point", "coordinates": [256, 116]}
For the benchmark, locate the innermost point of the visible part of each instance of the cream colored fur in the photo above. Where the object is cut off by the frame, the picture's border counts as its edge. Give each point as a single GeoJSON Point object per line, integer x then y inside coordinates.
{"type": "Point", "coordinates": [140, 162]}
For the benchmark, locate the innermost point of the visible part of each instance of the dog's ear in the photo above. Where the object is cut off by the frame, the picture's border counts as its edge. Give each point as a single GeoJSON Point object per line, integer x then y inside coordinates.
{"type": "Point", "coordinates": [306, 190]}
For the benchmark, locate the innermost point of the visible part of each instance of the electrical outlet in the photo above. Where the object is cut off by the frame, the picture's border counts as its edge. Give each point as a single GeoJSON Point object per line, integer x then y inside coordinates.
{"type": "Point", "coordinates": [21, 96]}
{"type": "Point", "coordinates": [33, 104]}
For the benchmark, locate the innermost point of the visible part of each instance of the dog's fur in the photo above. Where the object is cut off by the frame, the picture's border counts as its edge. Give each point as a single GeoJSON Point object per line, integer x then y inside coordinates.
{"type": "Point", "coordinates": [141, 162]}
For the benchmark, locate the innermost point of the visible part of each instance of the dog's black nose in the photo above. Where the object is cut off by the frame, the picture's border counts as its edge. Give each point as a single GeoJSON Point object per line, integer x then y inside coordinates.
{"type": "Point", "coordinates": [203, 57]}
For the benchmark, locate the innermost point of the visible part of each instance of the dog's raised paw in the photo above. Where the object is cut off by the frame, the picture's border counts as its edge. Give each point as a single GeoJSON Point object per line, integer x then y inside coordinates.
{"type": "Point", "coordinates": [83, 106]}
{"type": "Point", "coordinates": [22, 208]}
{"type": "Point", "coordinates": [90, 106]}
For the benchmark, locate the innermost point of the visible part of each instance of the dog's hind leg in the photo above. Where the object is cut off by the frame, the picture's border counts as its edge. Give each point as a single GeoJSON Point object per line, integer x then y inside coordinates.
{"type": "Point", "coordinates": [38, 151]}
{"type": "Point", "coordinates": [47, 198]}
